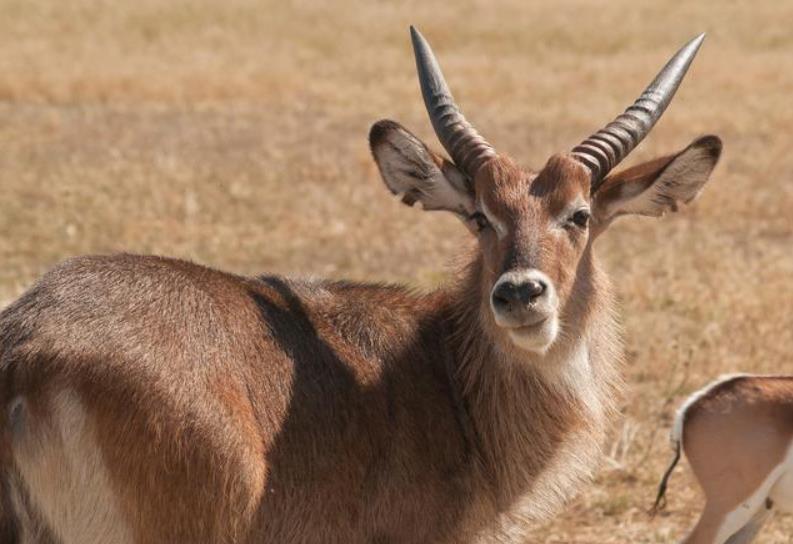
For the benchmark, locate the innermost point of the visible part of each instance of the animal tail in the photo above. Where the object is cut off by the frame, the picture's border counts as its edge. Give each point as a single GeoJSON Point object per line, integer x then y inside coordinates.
{"type": "Point", "coordinates": [676, 436]}
{"type": "Point", "coordinates": [660, 498]}
{"type": "Point", "coordinates": [676, 440]}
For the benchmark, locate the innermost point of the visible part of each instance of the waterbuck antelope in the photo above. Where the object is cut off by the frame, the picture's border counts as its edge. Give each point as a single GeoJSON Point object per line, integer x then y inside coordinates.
{"type": "Point", "coordinates": [737, 434]}
{"type": "Point", "coordinates": [153, 400]}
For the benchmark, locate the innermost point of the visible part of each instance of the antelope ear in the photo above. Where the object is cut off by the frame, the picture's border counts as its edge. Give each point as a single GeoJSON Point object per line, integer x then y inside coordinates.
{"type": "Point", "coordinates": [411, 170]}
{"type": "Point", "coordinates": [657, 186]}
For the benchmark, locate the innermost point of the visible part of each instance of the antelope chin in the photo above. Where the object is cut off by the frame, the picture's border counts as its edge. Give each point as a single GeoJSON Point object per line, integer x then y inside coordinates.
{"type": "Point", "coordinates": [536, 337]}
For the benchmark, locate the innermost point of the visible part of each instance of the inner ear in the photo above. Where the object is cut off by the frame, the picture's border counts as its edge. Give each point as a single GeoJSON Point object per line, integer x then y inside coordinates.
{"type": "Point", "coordinates": [660, 185]}
{"type": "Point", "coordinates": [411, 170]}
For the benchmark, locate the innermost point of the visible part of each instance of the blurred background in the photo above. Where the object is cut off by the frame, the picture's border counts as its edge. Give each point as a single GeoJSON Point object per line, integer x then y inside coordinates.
{"type": "Point", "coordinates": [234, 134]}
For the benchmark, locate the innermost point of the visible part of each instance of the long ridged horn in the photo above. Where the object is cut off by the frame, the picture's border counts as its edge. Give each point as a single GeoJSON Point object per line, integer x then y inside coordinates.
{"type": "Point", "coordinates": [465, 146]}
{"type": "Point", "coordinates": [602, 151]}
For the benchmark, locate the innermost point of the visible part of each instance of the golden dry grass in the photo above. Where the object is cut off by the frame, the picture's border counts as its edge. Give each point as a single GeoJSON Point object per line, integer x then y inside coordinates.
{"type": "Point", "coordinates": [234, 133]}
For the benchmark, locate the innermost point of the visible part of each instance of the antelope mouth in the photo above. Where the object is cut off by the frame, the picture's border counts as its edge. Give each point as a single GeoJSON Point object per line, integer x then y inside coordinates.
{"type": "Point", "coordinates": [531, 327]}
{"type": "Point", "coordinates": [537, 336]}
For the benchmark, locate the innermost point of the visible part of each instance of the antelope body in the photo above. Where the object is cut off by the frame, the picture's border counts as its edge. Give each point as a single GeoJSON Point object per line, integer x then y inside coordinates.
{"type": "Point", "coordinates": [153, 400]}
{"type": "Point", "coordinates": [737, 434]}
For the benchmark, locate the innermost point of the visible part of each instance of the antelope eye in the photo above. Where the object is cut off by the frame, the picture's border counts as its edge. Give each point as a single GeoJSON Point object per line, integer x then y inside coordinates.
{"type": "Point", "coordinates": [580, 218]}
{"type": "Point", "coordinates": [479, 219]}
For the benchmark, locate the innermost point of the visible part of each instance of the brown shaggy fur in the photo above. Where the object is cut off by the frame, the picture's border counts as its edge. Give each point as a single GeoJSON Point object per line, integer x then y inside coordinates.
{"type": "Point", "coordinates": [302, 411]}
{"type": "Point", "coordinates": [153, 400]}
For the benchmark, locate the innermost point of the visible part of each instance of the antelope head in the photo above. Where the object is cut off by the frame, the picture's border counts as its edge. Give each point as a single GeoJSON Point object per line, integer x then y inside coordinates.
{"type": "Point", "coordinates": [535, 229]}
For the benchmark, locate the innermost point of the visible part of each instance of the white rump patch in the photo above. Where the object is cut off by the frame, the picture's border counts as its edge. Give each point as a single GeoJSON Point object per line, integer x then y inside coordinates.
{"type": "Point", "coordinates": [676, 435]}
{"type": "Point", "coordinates": [62, 468]}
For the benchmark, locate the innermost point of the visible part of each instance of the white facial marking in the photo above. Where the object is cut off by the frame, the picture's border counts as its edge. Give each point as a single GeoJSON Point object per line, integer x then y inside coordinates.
{"type": "Point", "coordinates": [570, 209]}
{"type": "Point", "coordinates": [537, 339]}
{"type": "Point", "coordinates": [545, 304]}
{"type": "Point", "coordinates": [536, 326]}
{"type": "Point", "coordinates": [498, 225]}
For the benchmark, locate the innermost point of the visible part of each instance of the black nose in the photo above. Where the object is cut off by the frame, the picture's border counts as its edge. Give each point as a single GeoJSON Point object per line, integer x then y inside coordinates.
{"type": "Point", "coordinates": [508, 293]}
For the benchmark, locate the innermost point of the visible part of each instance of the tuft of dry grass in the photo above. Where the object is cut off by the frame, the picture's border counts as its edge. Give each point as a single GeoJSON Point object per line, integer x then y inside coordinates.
{"type": "Point", "coordinates": [234, 133]}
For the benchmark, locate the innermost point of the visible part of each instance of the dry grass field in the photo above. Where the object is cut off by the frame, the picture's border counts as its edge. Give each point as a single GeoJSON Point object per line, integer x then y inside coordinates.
{"type": "Point", "coordinates": [234, 133]}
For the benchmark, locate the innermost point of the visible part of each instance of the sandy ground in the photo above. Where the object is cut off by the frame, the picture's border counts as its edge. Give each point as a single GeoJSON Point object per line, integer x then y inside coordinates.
{"type": "Point", "coordinates": [234, 133]}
